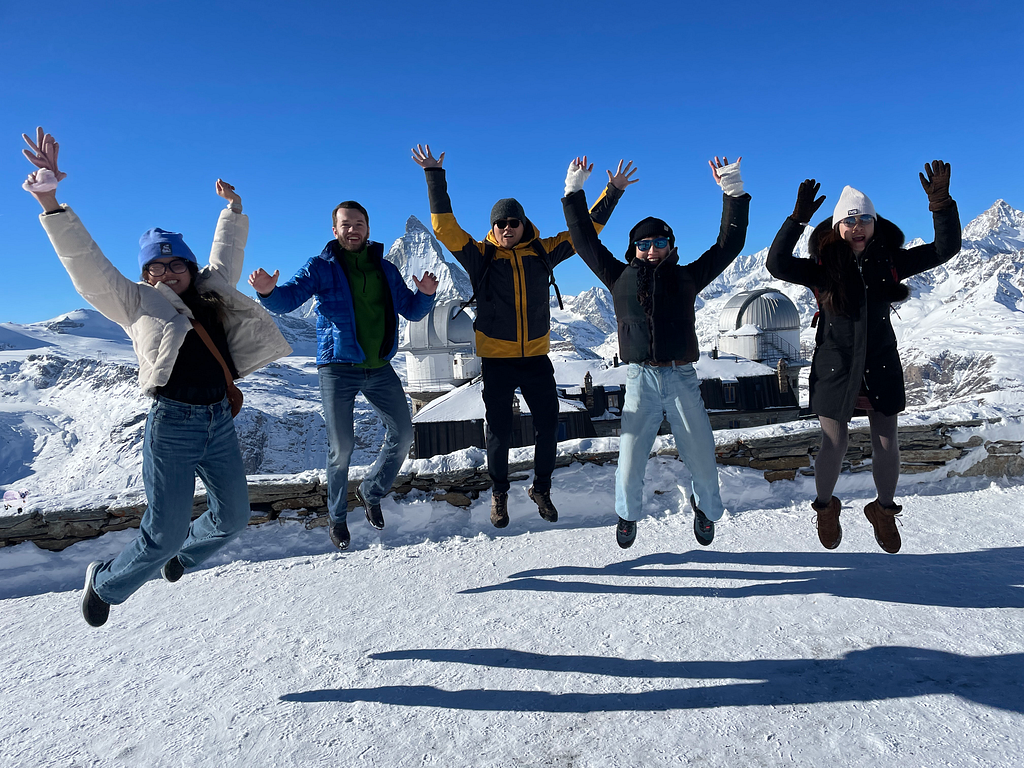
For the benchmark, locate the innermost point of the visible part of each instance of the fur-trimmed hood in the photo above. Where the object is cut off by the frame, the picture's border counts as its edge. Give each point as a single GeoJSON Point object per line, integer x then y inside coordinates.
{"type": "Point", "coordinates": [825, 242]}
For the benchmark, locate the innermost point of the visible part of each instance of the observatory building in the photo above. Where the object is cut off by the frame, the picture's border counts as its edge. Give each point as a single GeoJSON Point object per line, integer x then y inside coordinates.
{"type": "Point", "coordinates": [764, 326]}
{"type": "Point", "coordinates": [439, 353]}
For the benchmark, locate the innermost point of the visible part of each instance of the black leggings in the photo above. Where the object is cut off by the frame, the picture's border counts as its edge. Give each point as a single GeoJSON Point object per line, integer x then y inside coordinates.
{"type": "Point", "coordinates": [885, 456]}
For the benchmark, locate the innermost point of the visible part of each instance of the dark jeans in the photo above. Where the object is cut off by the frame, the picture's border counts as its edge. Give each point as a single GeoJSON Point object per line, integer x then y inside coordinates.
{"type": "Point", "coordinates": [535, 378]}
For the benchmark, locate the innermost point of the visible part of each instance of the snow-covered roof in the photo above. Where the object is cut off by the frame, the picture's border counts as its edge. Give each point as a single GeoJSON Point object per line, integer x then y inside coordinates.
{"type": "Point", "coordinates": [467, 404]}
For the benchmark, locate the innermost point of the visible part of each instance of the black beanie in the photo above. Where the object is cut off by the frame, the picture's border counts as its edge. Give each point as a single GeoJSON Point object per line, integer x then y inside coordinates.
{"type": "Point", "coordinates": [649, 228]}
{"type": "Point", "coordinates": [509, 208]}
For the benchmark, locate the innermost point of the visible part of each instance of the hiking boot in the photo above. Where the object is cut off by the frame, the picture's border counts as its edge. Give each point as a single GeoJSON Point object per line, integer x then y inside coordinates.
{"type": "Point", "coordinates": [703, 528]}
{"type": "Point", "coordinates": [339, 535]}
{"type": "Point", "coordinates": [543, 501]}
{"type": "Point", "coordinates": [499, 510]}
{"type": "Point", "coordinates": [374, 515]}
{"type": "Point", "coordinates": [94, 609]}
{"type": "Point", "coordinates": [625, 533]}
{"type": "Point", "coordinates": [173, 570]}
{"type": "Point", "coordinates": [830, 532]}
{"type": "Point", "coordinates": [883, 520]}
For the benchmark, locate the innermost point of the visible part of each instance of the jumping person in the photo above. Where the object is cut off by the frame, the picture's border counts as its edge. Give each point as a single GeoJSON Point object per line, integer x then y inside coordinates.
{"type": "Point", "coordinates": [193, 333]}
{"type": "Point", "coordinates": [654, 298]}
{"type": "Point", "coordinates": [359, 297]}
{"type": "Point", "coordinates": [856, 265]}
{"type": "Point", "coordinates": [511, 271]}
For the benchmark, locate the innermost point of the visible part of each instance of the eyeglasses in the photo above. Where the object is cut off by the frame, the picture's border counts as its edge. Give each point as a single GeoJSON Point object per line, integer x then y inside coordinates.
{"type": "Point", "coordinates": [511, 223]}
{"type": "Point", "coordinates": [157, 268]}
{"type": "Point", "coordinates": [645, 245]}
{"type": "Point", "coordinates": [851, 221]}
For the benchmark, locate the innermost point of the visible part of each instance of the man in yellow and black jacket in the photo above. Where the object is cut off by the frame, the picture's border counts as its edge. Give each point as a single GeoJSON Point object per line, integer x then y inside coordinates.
{"type": "Point", "coordinates": [511, 271]}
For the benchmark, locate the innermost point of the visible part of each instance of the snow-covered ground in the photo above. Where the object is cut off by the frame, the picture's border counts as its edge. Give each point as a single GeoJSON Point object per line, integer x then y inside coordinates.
{"type": "Point", "coordinates": [442, 641]}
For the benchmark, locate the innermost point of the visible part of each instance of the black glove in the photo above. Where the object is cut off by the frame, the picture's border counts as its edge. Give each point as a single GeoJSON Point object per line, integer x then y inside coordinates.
{"type": "Point", "coordinates": [937, 185]}
{"type": "Point", "coordinates": [806, 205]}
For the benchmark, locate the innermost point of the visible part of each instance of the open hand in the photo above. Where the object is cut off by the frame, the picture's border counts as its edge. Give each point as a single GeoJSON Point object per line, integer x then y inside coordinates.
{"type": "Point", "coordinates": [806, 205]}
{"type": "Point", "coordinates": [227, 191]}
{"type": "Point", "coordinates": [577, 175]}
{"type": "Point", "coordinates": [936, 186]}
{"type": "Point", "coordinates": [426, 284]}
{"type": "Point", "coordinates": [727, 175]}
{"type": "Point", "coordinates": [424, 159]}
{"type": "Point", "coordinates": [263, 283]}
{"type": "Point", "coordinates": [622, 177]}
{"type": "Point", "coordinates": [717, 165]}
{"type": "Point", "coordinates": [44, 152]}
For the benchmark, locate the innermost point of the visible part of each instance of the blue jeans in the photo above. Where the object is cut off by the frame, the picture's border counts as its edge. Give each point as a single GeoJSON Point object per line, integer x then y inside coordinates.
{"type": "Point", "coordinates": [339, 385]}
{"type": "Point", "coordinates": [181, 441]}
{"type": "Point", "coordinates": [654, 393]}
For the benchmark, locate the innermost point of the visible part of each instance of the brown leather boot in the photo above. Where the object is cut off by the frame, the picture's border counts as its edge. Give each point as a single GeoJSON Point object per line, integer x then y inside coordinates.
{"type": "Point", "coordinates": [499, 510]}
{"type": "Point", "coordinates": [830, 532]}
{"type": "Point", "coordinates": [883, 520]}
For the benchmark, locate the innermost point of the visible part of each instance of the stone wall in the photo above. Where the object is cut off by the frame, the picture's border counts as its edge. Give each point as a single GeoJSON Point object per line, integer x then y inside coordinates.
{"type": "Point", "coordinates": [923, 448]}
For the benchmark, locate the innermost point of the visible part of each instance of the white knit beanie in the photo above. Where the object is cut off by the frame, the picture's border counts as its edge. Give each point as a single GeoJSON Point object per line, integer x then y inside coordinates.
{"type": "Point", "coordinates": [852, 203]}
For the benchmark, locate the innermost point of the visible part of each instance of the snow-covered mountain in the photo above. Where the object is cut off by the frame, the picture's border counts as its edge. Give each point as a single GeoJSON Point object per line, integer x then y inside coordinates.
{"type": "Point", "coordinates": [72, 417]}
{"type": "Point", "coordinates": [417, 252]}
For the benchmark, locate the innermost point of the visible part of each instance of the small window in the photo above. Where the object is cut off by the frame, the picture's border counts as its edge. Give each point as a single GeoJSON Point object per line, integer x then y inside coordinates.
{"type": "Point", "coordinates": [734, 423]}
{"type": "Point", "coordinates": [729, 390]}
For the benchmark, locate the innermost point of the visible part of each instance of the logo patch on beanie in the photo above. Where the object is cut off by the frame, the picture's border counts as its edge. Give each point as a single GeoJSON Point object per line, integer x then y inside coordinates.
{"type": "Point", "coordinates": [165, 249]}
{"type": "Point", "coordinates": [853, 211]}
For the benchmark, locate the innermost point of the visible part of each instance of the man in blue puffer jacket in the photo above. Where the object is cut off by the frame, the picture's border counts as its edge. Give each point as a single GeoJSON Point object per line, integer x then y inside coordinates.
{"type": "Point", "coordinates": [359, 297]}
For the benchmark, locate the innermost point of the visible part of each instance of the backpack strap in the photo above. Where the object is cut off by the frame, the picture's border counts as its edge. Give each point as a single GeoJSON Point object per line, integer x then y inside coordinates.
{"type": "Point", "coordinates": [489, 250]}
{"type": "Point", "coordinates": [539, 250]}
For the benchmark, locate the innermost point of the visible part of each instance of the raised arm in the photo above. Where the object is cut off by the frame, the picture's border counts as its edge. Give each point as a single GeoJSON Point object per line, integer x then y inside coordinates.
{"type": "Point", "coordinates": [781, 263]}
{"type": "Point", "coordinates": [94, 277]}
{"type": "Point", "coordinates": [732, 233]}
{"type": "Point", "coordinates": [582, 229]}
{"type": "Point", "coordinates": [42, 183]}
{"type": "Point", "coordinates": [446, 229]}
{"type": "Point", "coordinates": [946, 219]}
{"type": "Point", "coordinates": [228, 252]}
{"type": "Point", "coordinates": [562, 246]}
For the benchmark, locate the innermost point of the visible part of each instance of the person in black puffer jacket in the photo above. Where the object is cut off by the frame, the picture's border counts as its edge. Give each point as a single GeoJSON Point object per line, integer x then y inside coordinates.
{"type": "Point", "coordinates": [654, 299]}
{"type": "Point", "coordinates": [856, 265]}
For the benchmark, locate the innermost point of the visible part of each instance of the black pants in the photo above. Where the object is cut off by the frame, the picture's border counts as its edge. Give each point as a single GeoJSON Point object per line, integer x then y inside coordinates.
{"type": "Point", "coordinates": [535, 378]}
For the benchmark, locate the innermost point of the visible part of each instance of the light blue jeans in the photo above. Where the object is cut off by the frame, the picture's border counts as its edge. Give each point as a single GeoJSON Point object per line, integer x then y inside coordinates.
{"type": "Point", "coordinates": [654, 393]}
{"type": "Point", "coordinates": [181, 441]}
{"type": "Point", "coordinates": [339, 385]}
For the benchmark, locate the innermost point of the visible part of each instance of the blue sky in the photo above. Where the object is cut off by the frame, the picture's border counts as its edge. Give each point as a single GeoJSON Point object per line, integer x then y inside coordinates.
{"type": "Point", "coordinates": [302, 106]}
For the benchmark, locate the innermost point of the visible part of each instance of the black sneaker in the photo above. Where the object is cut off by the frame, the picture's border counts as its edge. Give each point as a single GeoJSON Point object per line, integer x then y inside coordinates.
{"type": "Point", "coordinates": [499, 510]}
{"type": "Point", "coordinates": [94, 609]}
{"type": "Point", "coordinates": [339, 535]}
{"type": "Point", "coordinates": [173, 570]}
{"type": "Point", "coordinates": [543, 501]}
{"type": "Point", "coordinates": [374, 515]}
{"type": "Point", "coordinates": [703, 528]}
{"type": "Point", "coordinates": [625, 533]}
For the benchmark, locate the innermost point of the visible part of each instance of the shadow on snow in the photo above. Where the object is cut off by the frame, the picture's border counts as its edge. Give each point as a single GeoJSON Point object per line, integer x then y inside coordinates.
{"type": "Point", "coordinates": [988, 578]}
{"type": "Point", "coordinates": [875, 674]}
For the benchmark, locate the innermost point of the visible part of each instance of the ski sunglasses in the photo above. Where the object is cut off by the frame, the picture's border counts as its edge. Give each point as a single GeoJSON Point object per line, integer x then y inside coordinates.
{"type": "Point", "coordinates": [851, 221]}
{"type": "Point", "coordinates": [645, 245]}
{"type": "Point", "coordinates": [502, 223]}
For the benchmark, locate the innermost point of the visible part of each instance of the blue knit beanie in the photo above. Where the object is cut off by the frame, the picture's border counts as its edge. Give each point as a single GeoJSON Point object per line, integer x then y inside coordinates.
{"type": "Point", "coordinates": [157, 243]}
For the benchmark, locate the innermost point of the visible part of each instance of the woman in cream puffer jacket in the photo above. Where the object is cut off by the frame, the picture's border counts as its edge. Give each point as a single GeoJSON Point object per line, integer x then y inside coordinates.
{"type": "Point", "coordinates": [190, 429]}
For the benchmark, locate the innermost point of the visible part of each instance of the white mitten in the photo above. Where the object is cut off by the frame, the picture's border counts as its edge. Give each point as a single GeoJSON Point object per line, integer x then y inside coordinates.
{"type": "Point", "coordinates": [730, 182]}
{"type": "Point", "coordinates": [575, 177]}
{"type": "Point", "coordinates": [42, 180]}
